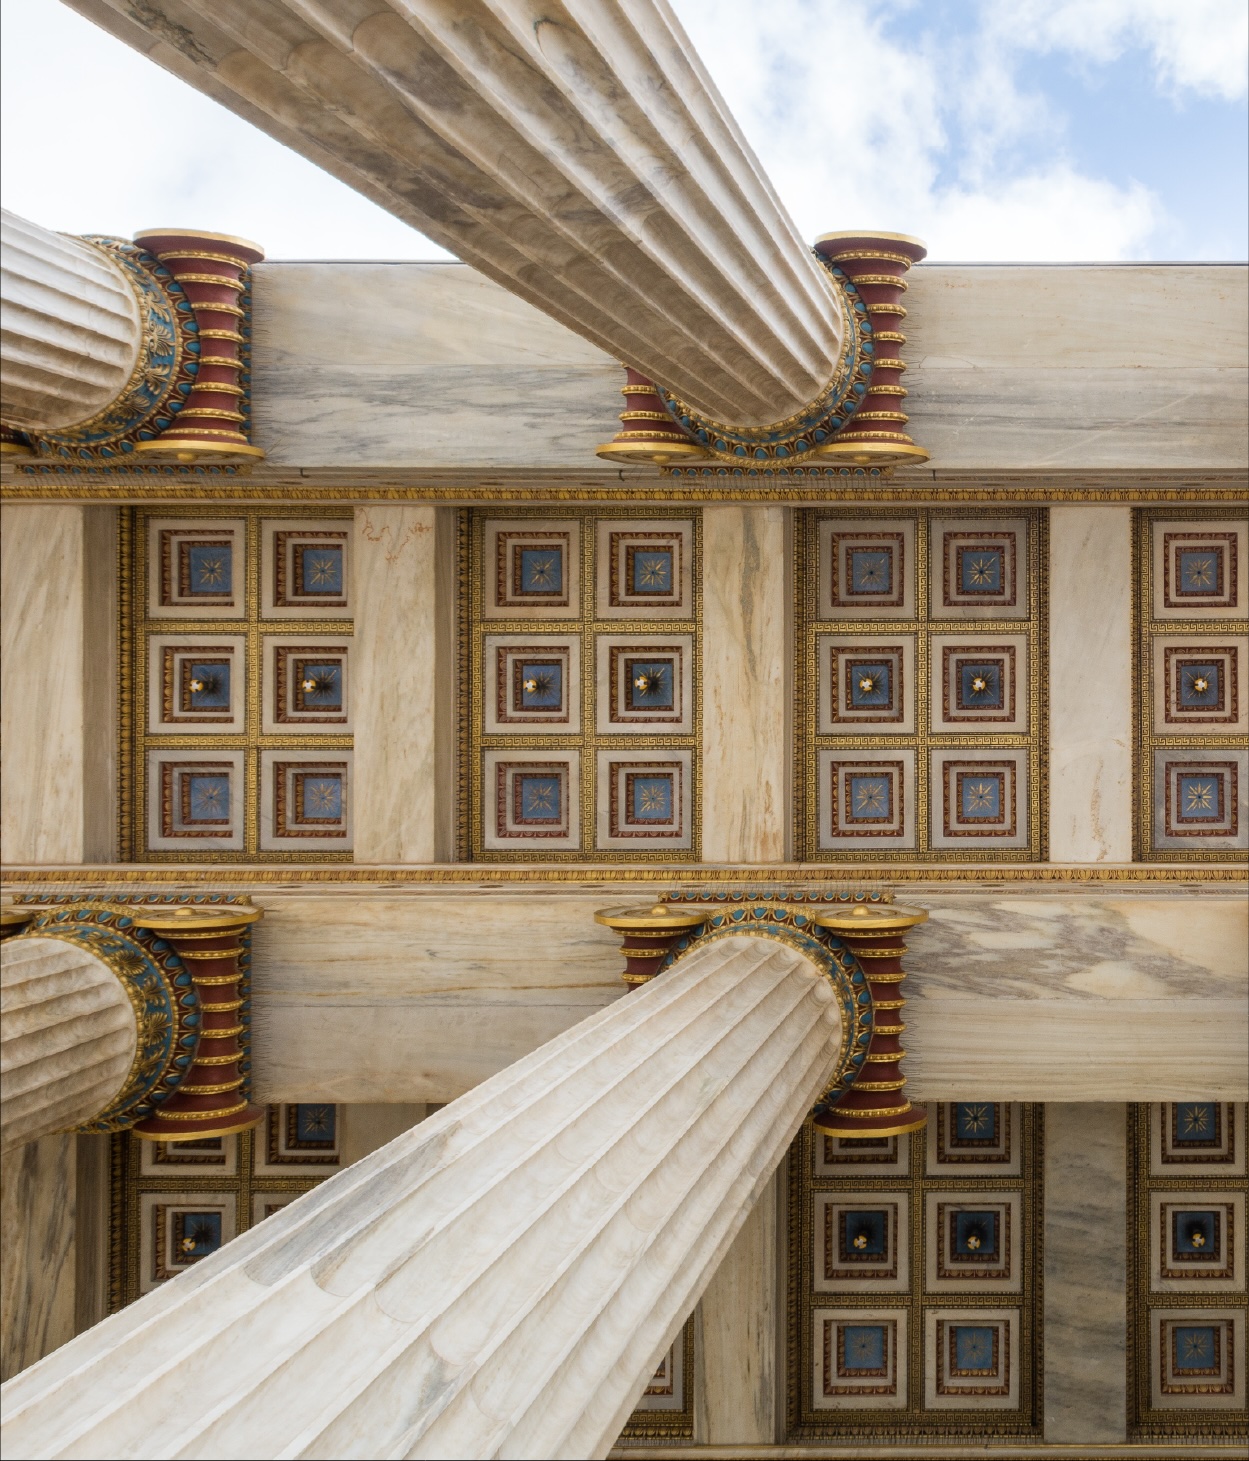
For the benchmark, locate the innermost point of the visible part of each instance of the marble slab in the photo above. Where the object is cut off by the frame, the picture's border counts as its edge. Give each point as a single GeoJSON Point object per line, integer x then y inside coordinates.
{"type": "Point", "coordinates": [395, 664]}
{"type": "Point", "coordinates": [1085, 1272]}
{"type": "Point", "coordinates": [747, 647]}
{"type": "Point", "coordinates": [42, 695]}
{"type": "Point", "coordinates": [1090, 684]}
{"type": "Point", "coordinates": [417, 994]}
{"type": "Point", "coordinates": [37, 1247]}
{"type": "Point", "coordinates": [1104, 368]}
{"type": "Point", "coordinates": [738, 1323]}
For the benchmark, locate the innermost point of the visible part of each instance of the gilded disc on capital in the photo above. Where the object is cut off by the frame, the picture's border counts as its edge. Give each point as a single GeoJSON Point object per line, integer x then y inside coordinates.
{"type": "Point", "coordinates": [869, 918]}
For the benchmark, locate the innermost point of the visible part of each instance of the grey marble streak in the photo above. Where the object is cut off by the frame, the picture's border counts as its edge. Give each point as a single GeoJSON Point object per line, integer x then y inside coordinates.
{"type": "Point", "coordinates": [1085, 1272]}
{"type": "Point", "coordinates": [37, 1210]}
{"type": "Point", "coordinates": [430, 416]}
{"type": "Point", "coordinates": [1097, 418]}
{"type": "Point", "coordinates": [416, 994]}
{"type": "Point", "coordinates": [1081, 948]}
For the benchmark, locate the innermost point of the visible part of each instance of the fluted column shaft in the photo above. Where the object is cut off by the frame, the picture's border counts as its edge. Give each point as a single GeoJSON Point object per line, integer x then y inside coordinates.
{"type": "Point", "coordinates": [69, 327]}
{"type": "Point", "coordinates": [578, 155]}
{"type": "Point", "coordinates": [67, 1038]}
{"type": "Point", "coordinates": [499, 1281]}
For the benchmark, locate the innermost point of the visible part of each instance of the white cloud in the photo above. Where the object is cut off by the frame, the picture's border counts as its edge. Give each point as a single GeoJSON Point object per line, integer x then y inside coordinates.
{"type": "Point", "coordinates": [1052, 216]}
{"type": "Point", "coordinates": [98, 139]}
{"type": "Point", "coordinates": [859, 128]}
{"type": "Point", "coordinates": [1196, 45]}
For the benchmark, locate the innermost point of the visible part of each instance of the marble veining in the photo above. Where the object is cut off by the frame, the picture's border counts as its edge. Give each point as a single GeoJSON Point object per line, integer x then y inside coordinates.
{"type": "Point", "coordinates": [745, 627]}
{"type": "Point", "coordinates": [394, 647]}
{"type": "Point", "coordinates": [1090, 684]}
{"type": "Point", "coordinates": [416, 387]}
{"type": "Point", "coordinates": [416, 995]}
{"type": "Point", "coordinates": [1081, 948]}
{"type": "Point", "coordinates": [1085, 1272]}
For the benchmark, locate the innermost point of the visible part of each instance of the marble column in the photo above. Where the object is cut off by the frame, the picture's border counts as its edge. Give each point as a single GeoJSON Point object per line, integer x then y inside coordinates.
{"type": "Point", "coordinates": [580, 156]}
{"type": "Point", "coordinates": [502, 1279]}
{"type": "Point", "coordinates": [746, 682]}
{"type": "Point", "coordinates": [403, 684]}
{"type": "Point", "coordinates": [58, 617]}
{"type": "Point", "coordinates": [67, 1038]}
{"type": "Point", "coordinates": [1090, 684]}
{"type": "Point", "coordinates": [1085, 1273]}
{"type": "Point", "coordinates": [71, 331]}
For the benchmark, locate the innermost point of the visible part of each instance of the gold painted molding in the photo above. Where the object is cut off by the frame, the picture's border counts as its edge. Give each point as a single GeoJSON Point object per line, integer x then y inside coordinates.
{"type": "Point", "coordinates": [459, 487]}
{"type": "Point", "coordinates": [592, 875]}
{"type": "Point", "coordinates": [936, 1451]}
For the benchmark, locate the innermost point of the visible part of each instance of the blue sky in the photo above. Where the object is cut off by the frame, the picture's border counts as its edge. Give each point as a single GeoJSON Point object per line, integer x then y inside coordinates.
{"type": "Point", "coordinates": [1010, 129]}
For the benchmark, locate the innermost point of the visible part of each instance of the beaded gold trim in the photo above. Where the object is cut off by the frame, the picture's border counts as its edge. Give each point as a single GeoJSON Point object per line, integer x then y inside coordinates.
{"type": "Point", "coordinates": [201, 1115]}
{"type": "Point", "coordinates": [219, 279]}
{"type": "Point", "coordinates": [210, 1090]}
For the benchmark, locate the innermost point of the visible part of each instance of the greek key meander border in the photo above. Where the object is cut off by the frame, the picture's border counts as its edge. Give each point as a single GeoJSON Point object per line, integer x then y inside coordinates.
{"type": "Point", "coordinates": [808, 742]}
{"type": "Point", "coordinates": [464, 487]}
{"type": "Point", "coordinates": [134, 628]}
{"type": "Point", "coordinates": [127, 1184]}
{"type": "Point", "coordinates": [1145, 1424]}
{"type": "Point", "coordinates": [866, 874]}
{"type": "Point", "coordinates": [473, 626]}
{"type": "Point", "coordinates": [1144, 739]}
{"type": "Point", "coordinates": [914, 1423]}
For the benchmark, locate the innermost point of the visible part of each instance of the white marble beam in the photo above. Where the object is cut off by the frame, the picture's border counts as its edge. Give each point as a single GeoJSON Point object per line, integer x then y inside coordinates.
{"type": "Point", "coordinates": [501, 1280]}
{"type": "Point", "coordinates": [417, 994]}
{"type": "Point", "coordinates": [437, 370]}
{"type": "Point", "coordinates": [1090, 683]}
{"type": "Point", "coordinates": [1086, 1238]}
